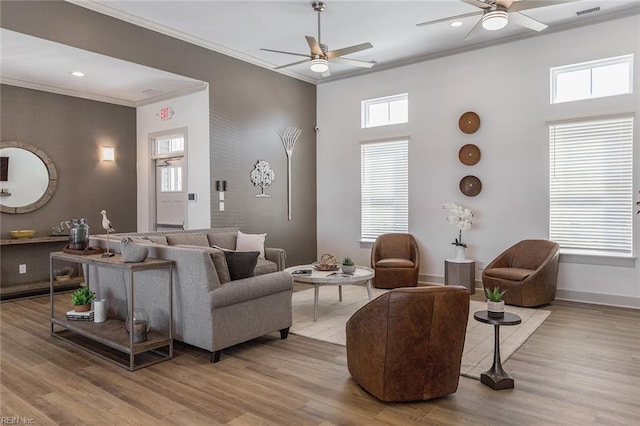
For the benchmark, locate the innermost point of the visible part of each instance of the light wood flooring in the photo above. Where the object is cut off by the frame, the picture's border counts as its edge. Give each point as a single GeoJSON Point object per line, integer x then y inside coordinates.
{"type": "Point", "coordinates": [581, 367]}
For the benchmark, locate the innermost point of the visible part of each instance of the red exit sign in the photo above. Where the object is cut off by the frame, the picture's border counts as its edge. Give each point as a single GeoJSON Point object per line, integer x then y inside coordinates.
{"type": "Point", "coordinates": [165, 113]}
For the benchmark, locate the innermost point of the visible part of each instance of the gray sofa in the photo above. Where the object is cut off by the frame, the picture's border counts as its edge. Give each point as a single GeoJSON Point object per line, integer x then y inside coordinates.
{"type": "Point", "coordinates": [210, 311]}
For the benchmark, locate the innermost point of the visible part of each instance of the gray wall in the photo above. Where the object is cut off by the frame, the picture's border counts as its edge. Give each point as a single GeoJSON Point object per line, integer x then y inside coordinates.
{"type": "Point", "coordinates": [248, 106]}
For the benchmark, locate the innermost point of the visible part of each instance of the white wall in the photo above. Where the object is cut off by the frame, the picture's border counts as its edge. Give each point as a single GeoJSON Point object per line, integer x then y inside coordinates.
{"type": "Point", "coordinates": [191, 112]}
{"type": "Point", "coordinates": [508, 86]}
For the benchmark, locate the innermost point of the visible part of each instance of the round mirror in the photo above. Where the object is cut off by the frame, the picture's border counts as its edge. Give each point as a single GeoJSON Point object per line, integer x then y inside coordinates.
{"type": "Point", "coordinates": [28, 178]}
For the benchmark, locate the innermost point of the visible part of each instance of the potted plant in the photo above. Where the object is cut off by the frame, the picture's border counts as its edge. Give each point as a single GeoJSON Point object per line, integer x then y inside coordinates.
{"type": "Point", "coordinates": [63, 274]}
{"type": "Point", "coordinates": [348, 267]}
{"type": "Point", "coordinates": [495, 304]}
{"type": "Point", "coordinates": [82, 298]}
{"type": "Point", "coordinates": [459, 217]}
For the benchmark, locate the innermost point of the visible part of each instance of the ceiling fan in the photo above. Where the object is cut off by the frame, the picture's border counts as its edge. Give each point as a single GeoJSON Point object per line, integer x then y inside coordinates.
{"type": "Point", "coordinates": [497, 13]}
{"type": "Point", "coordinates": [320, 54]}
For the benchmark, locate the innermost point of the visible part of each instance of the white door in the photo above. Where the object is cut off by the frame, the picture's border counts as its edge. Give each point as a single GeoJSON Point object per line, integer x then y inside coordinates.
{"type": "Point", "coordinates": [170, 197]}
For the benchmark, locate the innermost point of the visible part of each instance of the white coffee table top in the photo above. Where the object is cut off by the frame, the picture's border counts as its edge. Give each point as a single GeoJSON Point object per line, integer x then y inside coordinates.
{"type": "Point", "coordinates": [361, 274]}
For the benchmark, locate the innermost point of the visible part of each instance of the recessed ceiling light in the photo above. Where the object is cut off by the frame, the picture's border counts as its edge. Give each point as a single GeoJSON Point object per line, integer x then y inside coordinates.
{"type": "Point", "coordinates": [456, 24]}
{"type": "Point", "coordinates": [77, 74]}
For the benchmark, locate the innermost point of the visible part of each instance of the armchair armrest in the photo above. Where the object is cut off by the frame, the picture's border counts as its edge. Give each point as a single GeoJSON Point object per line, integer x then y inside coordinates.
{"type": "Point", "coordinates": [276, 255]}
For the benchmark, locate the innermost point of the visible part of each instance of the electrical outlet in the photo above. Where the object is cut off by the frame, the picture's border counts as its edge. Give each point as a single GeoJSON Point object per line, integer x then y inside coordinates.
{"type": "Point", "coordinates": [22, 268]}
{"type": "Point", "coordinates": [480, 265]}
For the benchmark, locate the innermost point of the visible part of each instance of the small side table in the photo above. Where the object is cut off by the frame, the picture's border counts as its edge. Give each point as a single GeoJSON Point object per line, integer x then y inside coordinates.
{"type": "Point", "coordinates": [460, 272]}
{"type": "Point", "coordinates": [496, 378]}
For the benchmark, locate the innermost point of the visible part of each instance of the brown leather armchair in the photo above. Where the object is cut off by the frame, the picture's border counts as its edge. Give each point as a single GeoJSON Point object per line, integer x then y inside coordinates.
{"type": "Point", "coordinates": [396, 261]}
{"type": "Point", "coordinates": [407, 344]}
{"type": "Point", "coordinates": [528, 271]}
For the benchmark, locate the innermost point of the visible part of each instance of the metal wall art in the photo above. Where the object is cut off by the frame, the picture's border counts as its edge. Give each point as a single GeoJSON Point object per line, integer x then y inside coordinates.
{"type": "Point", "coordinates": [262, 175]}
{"type": "Point", "coordinates": [289, 138]}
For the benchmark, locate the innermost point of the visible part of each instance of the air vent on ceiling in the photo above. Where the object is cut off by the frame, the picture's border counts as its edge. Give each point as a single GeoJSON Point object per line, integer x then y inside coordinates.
{"type": "Point", "coordinates": [584, 12]}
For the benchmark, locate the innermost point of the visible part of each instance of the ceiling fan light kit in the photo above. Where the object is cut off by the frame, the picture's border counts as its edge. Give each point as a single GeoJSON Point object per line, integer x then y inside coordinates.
{"type": "Point", "coordinates": [319, 65]}
{"type": "Point", "coordinates": [495, 20]}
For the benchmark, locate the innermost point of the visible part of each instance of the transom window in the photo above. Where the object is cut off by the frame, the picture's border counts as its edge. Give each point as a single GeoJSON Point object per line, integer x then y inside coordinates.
{"type": "Point", "coordinates": [594, 79]}
{"type": "Point", "coordinates": [385, 111]}
{"type": "Point", "coordinates": [169, 144]}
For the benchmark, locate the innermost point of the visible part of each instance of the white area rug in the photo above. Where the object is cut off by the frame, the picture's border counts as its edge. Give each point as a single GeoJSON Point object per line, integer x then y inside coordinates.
{"type": "Point", "coordinates": [478, 347]}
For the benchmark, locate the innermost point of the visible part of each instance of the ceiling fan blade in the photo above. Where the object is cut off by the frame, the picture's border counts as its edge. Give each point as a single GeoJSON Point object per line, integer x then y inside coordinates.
{"type": "Point", "coordinates": [348, 50]}
{"type": "Point", "coordinates": [474, 31]}
{"type": "Point", "coordinates": [519, 6]}
{"type": "Point", "coordinates": [286, 53]}
{"type": "Point", "coordinates": [451, 18]}
{"type": "Point", "coordinates": [527, 22]}
{"type": "Point", "coordinates": [291, 64]}
{"type": "Point", "coordinates": [476, 3]}
{"type": "Point", "coordinates": [353, 62]}
{"type": "Point", "coordinates": [314, 46]}
{"type": "Point", "coordinates": [505, 3]}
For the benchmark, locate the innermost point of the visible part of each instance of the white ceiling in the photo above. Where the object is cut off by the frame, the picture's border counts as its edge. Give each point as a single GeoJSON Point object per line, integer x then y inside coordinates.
{"type": "Point", "coordinates": [241, 28]}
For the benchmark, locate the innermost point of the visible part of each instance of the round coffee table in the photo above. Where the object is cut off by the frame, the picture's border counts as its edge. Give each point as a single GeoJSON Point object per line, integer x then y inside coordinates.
{"type": "Point", "coordinates": [496, 378]}
{"type": "Point", "coordinates": [362, 275]}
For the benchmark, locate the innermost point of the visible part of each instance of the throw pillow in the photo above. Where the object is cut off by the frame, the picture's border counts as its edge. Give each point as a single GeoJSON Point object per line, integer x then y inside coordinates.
{"type": "Point", "coordinates": [251, 242]}
{"type": "Point", "coordinates": [241, 264]}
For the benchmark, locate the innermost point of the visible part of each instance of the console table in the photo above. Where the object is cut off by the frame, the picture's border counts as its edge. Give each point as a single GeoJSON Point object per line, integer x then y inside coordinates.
{"type": "Point", "coordinates": [496, 378]}
{"type": "Point", "coordinates": [99, 337]}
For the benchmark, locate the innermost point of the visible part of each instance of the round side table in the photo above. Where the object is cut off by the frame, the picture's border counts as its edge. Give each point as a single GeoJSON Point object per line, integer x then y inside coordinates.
{"type": "Point", "coordinates": [496, 378]}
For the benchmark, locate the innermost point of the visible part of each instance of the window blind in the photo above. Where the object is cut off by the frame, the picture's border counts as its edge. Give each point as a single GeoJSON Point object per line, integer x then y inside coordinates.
{"type": "Point", "coordinates": [591, 179]}
{"type": "Point", "coordinates": [384, 188]}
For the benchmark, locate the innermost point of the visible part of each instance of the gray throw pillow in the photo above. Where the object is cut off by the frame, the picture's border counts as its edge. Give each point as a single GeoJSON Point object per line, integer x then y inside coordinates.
{"type": "Point", "coordinates": [241, 263]}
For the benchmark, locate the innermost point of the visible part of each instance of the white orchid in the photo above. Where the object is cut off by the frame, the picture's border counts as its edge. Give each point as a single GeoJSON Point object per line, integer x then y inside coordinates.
{"type": "Point", "coordinates": [459, 217]}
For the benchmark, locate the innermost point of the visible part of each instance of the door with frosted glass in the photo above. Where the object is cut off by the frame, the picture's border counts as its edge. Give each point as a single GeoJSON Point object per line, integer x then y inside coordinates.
{"type": "Point", "coordinates": [169, 194]}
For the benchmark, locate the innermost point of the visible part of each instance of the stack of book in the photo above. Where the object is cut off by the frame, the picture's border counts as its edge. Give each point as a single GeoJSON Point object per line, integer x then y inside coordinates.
{"type": "Point", "coordinates": [80, 316]}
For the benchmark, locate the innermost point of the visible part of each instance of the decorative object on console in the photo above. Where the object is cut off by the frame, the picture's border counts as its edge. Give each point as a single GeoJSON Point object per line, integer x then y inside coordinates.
{"type": "Point", "coordinates": [469, 122]}
{"type": "Point", "coordinates": [348, 267]}
{"type": "Point", "coordinates": [262, 175]}
{"type": "Point", "coordinates": [81, 299]}
{"type": "Point", "coordinates": [327, 262]}
{"type": "Point", "coordinates": [63, 229]}
{"type": "Point", "coordinates": [139, 326]}
{"type": "Point", "coordinates": [469, 154]}
{"type": "Point", "coordinates": [459, 217]}
{"type": "Point", "coordinates": [470, 186]}
{"type": "Point", "coordinates": [79, 234]}
{"type": "Point", "coordinates": [100, 310]}
{"type": "Point", "coordinates": [289, 138]}
{"type": "Point", "coordinates": [132, 252]}
{"type": "Point", "coordinates": [495, 304]}
{"type": "Point", "coordinates": [106, 224]}
{"type": "Point", "coordinates": [22, 233]}
{"type": "Point", "coordinates": [63, 274]}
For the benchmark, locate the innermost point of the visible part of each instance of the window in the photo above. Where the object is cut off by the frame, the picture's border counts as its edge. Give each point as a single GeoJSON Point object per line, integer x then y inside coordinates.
{"type": "Point", "coordinates": [385, 111]}
{"type": "Point", "coordinates": [595, 79]}
{"type": "Point", "coordinates": [171, 179]}
{"type": "Point", "coordinates": [169, 144]}
{"type": "Point", "coordinates": [384, 188]}
{"type": "Point", "coordinates": [590, 194]}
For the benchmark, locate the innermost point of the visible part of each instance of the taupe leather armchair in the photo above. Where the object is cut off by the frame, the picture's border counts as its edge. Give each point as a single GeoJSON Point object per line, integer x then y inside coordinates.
{"type": "Point", "coordinates": [407, 344]}
{"type": "Point", "coordinates": [528, 271]}
{"type": "Point", "coordinates": [396, 261]}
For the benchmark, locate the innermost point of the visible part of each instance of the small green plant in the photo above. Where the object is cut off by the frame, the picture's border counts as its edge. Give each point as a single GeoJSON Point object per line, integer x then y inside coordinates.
{"type": "Point", "coordinates": [347, 261]}
{"type": "Point", "coordinates": [494, 295]}
{"type": "Point", "coordinates": [82, 296]}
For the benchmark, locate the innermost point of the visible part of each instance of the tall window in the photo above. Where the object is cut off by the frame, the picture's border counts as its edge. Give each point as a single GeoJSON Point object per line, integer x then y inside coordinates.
{"type": "Point", "coordinates": [384, 188]}
{"type": "Point", "coordinates": [594, 79]}
{"type": "Point", "coordinates": [591, 177]}
{"type": "Point", "coordinates": [385, 111]}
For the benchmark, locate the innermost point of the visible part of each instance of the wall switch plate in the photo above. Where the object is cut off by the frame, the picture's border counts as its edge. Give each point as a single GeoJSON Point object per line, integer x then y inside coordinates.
{"type": "Point", "coordinates": [221, 206]}
{"type": "Point", "coordinates": [191, 196]}
{"type": "Point", "coordinates": [22, 268]}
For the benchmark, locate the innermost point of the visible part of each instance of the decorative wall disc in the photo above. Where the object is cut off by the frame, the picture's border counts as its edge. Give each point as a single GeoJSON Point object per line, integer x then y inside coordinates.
{"type": "Point", "coordinates": [470, 186]}
{"type": "Point", "coordinates": [469, 154]}
{"type": "Point", "coordinates": [469, 122]}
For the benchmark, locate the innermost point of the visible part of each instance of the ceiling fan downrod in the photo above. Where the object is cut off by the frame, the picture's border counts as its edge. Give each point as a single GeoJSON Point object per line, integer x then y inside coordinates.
{"type": "Point", "coordinates": [319, 6]}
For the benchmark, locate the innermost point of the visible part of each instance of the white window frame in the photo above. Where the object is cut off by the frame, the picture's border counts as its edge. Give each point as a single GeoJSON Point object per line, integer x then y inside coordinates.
{"type": "Point", "coordinates": [590, 65]}
{"type": "Point", "coordinates": [384, 166]}
{"type": "Point", "coordinates": [590, 201]}
{"type": "Point", "coordinates": [367, 104]}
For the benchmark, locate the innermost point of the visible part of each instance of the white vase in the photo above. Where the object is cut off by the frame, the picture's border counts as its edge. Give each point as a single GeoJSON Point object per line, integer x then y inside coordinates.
{"type": "Point", "coordinates": [496, 309]}
{"type": "Point", "coordinates": [460, 255]}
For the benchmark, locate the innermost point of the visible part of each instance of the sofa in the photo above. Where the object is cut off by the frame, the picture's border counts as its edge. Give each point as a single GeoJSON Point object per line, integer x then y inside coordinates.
{"type": "Point", "coordinates": [210, 310]}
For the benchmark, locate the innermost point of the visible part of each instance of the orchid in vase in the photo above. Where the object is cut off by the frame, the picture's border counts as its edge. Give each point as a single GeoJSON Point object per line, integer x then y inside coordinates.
{"type": "Point", "coordinates": [459, 217]}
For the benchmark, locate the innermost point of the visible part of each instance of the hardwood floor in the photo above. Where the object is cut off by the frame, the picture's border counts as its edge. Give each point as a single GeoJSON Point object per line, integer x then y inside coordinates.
{"type": "Point", "coordinates": [582, 366]}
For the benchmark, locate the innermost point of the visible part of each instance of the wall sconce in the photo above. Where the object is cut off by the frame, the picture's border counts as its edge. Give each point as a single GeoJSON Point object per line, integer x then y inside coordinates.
{"type": "Point", "coordinates": [108, 153]}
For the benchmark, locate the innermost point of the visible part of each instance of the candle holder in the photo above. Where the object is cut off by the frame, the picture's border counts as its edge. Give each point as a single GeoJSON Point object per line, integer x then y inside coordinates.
{"type": "Point", "coordinates": [139, 325]}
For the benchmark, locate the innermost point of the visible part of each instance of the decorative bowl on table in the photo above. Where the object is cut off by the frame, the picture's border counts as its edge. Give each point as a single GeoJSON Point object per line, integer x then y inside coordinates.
{"type": "Point", "coordinates": [22, 233]}
{"type": "Point", "coordinates": [327, 262]}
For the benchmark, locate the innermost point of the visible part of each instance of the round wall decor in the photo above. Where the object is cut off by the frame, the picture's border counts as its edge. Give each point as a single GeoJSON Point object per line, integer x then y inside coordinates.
{"type": "Point", "coordinates": [470, 186]}
{"type": "Point", "coordinates": [469, 122]}
{"type": "Point", "coordinates": [469, 154]}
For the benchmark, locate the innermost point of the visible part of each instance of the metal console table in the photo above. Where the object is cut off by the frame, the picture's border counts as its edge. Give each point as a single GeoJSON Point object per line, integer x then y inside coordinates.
{"type": "Point", "coordinates": [113, 333]}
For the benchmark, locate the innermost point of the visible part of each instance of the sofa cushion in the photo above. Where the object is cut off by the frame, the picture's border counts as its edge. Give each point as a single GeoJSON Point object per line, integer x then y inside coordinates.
{"type": "Point", "coordinates": [251, 242]}
{"type": "Point", "coordinates": [242, 264]}
{"type": "Point", "coordinates": [188, 239]}
{"type": "Point", "coordinates": [225, 240]}
{"type": "Point", "coordinates": [265, 266]}
{"type": "Point", "coordinates": [511, 274]}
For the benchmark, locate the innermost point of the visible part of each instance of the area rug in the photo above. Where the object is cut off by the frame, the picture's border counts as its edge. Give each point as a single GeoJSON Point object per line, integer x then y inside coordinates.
{"type": "Point", "coordinates": [478, 347]}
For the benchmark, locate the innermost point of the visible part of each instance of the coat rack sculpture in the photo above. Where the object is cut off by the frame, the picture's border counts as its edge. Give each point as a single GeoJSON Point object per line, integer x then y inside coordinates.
{"type": "Point", "coordinates": [289, 138]}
